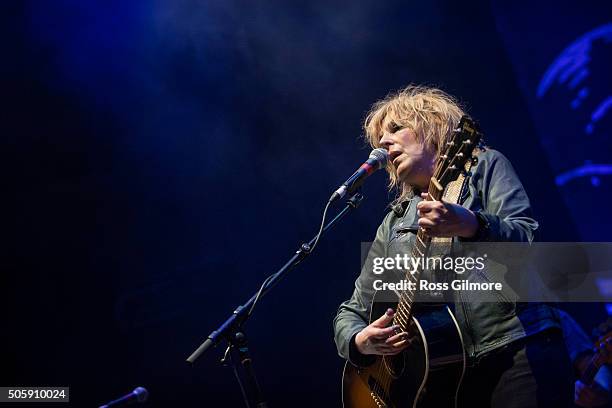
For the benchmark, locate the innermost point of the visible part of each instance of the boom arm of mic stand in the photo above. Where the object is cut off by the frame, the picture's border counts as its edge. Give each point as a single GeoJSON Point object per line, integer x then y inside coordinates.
{"type": "Point", "coordinates": [229, 327]}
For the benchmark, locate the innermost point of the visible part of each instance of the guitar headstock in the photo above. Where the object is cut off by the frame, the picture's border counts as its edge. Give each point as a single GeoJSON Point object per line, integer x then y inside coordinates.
{"type": "Point", "coordinates": [465, 138]}
{"type": "Point", "coordinates": [603, 328]}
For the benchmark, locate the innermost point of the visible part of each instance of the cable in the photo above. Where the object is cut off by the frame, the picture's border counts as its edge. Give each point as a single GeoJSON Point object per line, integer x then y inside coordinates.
{"type": "Point", "coordinates": [304, 248]}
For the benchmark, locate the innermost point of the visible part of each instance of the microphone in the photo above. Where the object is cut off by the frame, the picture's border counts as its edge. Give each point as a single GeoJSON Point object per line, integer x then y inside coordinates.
{"type": "Point", "coordinates": [377, 160]}
{"type": "Point", "coordinates": [139, 395]}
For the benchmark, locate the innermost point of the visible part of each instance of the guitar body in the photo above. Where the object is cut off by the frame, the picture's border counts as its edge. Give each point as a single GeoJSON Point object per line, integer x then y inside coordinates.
{"type": "Point", "coordinates": [427, 374]}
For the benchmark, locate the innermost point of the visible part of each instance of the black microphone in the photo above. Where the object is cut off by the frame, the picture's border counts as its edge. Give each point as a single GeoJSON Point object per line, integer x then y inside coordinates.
{"type": "Point", "coordinates": [138, 396]}
{"type": "Point", "coordinates": [377, 160]}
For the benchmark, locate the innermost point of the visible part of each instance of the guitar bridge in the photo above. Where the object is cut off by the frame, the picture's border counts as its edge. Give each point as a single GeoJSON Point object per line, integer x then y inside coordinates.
{"type": "Point", "coordinates": [379, 402]}
{"type": "Point", "coordinates": [378, 399]}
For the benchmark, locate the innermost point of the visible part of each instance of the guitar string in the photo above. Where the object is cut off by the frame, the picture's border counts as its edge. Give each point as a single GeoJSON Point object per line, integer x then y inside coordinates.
{"type": "Point", "coordinates": [383, 372]}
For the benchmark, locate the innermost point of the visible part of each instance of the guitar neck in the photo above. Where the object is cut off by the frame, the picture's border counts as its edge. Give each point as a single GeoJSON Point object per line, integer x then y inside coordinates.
{"type": "Point", "coordinates": [588, 376]}
{"type": "Point", "coordinates": [603, 355]}
{"type": "Point", "coordinates": [420, 249]}
{"type": "Point", "coordinates": [458, 152]}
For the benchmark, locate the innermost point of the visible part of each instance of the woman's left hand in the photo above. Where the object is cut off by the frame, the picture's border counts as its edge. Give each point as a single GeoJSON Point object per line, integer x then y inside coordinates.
{"type": "Point", "coordinates": [442, 219]}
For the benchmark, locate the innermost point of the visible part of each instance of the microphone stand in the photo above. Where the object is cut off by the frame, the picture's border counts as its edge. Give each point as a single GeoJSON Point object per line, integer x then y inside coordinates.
{"type": "Point", "coordinates": [231, 330]}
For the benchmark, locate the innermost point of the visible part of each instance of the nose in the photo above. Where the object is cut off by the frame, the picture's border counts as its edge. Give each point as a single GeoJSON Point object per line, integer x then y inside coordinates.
{"type": "Point", "coordinates": [386, 141]}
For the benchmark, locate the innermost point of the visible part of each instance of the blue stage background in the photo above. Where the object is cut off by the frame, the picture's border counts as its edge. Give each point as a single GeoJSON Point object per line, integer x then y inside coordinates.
{"type": "Point", "coordinates": [162, 158]}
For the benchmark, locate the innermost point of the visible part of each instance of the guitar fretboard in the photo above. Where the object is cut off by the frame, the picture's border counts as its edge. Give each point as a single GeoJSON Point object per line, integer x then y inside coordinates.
{"type": "Point", "coordinates": [420, 249]}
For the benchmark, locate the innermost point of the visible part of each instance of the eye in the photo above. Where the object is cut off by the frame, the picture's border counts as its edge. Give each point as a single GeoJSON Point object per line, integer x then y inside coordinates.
{"type": "Point", "coordinates": [394, 127]}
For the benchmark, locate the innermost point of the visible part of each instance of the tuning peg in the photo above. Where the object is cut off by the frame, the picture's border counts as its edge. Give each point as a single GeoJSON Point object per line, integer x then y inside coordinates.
{"type": "Point", "coordinates": [467, 141]}
{"type": "Point", "coordinates": [458, 130]}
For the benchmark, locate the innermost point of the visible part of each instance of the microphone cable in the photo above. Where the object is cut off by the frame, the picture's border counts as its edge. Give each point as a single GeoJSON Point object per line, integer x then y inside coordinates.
{"type": "Point", "coordinates": [309, 251]}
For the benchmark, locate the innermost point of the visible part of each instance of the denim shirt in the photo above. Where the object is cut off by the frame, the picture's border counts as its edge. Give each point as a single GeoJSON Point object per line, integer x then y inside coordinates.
{"type": "Point", "coordinates": [497, 195]}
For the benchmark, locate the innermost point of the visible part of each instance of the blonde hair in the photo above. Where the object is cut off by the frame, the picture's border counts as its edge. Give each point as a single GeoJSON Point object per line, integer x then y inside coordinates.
{"type": "Point", "coordinates": [430, 113]}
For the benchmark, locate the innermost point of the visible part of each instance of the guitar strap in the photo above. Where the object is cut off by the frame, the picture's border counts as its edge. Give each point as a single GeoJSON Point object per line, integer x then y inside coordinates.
{"type": "Point", "coordinates": [452, 194]}
{"type": "Point", "coordinates": [441, 246]}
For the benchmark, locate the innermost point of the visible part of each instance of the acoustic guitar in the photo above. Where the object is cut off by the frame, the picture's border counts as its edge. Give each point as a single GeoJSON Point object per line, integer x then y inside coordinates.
{"type": "Point", "coordinates": [602, 353]}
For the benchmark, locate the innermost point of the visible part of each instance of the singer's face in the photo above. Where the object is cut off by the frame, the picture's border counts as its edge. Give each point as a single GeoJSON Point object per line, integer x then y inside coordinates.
{"type": "Point", "coordinates": [413, 162]}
